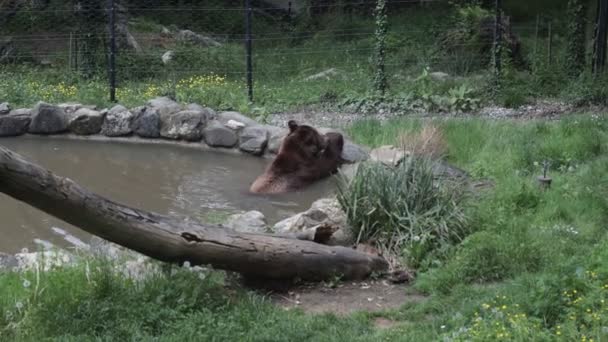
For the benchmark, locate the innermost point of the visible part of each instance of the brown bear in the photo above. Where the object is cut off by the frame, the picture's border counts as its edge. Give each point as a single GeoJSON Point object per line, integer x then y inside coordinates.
{"type": "Point", "coordinates": [304, 157]}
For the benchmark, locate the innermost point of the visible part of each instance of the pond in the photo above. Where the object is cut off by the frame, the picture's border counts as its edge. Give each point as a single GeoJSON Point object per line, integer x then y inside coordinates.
{"type": "Point", "coordinates": [167, 179]}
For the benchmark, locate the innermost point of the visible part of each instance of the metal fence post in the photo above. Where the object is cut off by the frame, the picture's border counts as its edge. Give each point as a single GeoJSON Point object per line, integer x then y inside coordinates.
{"type": "Point", "coordinates": [601, 36]}
{"type": "Point", "coordinates": [549, 43]}
{"type": "Point", "coordinates": [112, 60]}
{"type": "Point", "coordinates": [248, 48]}
{"type": "Point", "coordinates": [498, 43]}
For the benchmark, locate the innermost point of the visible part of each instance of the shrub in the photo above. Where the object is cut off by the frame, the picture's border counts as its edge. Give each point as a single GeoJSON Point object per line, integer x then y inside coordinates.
{"type": "Point", "coordinates": [404, 209]}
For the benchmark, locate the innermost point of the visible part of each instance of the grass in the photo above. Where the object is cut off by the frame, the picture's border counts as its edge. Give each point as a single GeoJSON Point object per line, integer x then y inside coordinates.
{"type": "Point", "coordinates": [94, 302]}
{"type": "Point", "coordinates": [532, 247]}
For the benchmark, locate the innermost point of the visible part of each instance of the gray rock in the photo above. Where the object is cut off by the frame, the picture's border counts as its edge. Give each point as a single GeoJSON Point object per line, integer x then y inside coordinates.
{"type": "Point", "coordinates": [323, 211]}
{"type": "Point", "coordinates": [48, 119]}
{"type": "Point", "coordinates": [8, 262]}
{"type": "Point", "coordinates": [146, 123]}
{"type": "Point", "coordinates": [254, 140]}
{"type": "Point", "coordinates": [443, 169]}
{"type": "Point", "coordinates": [388, 155]}
{"type": "Point", "coordinates": [186, 125]}
{"type": "Point", "coordinates": [117, 122]}
{"type": "Point", "coordinates": [165, 106]}
{"type": "Point", "coordinates": [14, 124]}
{"type": "Point", "coordinates": [353, 153]}
{"type": "Point", "coordinates": [224, 117]}
{"type": "Point", "coordinates": [209, 113]}
{"type": "Point", "coordinates": [70, 108]}
{"type": "Point", "coordinates": [218, 135]}
{"type": "Point", "coordinates": [249, 222]}
{"type": "Point", "coordinates": [86, 121]}
{"type": "Point", "coordinates": [276, 136]}
{"type": "Point", "coordinates": [5, 108]}
{"type": "Point", "coordinates": [235, 125]}
{"type": "Point", "coordinates": [349, 171]}
{"type": "Point", "coordinates": [21, 111]}
{"type": "Point", "coordinates": [195, 38]}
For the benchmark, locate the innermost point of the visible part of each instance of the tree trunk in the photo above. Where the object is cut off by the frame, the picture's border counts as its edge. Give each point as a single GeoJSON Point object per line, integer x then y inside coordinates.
{"type": "Point", "coordinates": [171, 239]}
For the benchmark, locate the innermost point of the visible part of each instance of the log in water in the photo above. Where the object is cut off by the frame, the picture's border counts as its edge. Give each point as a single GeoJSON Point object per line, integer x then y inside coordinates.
{"type": "Point", "coordinates": [160, 178]}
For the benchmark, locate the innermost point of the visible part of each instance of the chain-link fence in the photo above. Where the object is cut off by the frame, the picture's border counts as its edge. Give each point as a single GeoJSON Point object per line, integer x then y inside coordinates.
{"type": "Point", "coordinates": [223, 52]}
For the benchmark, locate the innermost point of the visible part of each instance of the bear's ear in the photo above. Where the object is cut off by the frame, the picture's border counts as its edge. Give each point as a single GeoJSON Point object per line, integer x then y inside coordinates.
{"type": "Point", "coordinates": [292, 124]}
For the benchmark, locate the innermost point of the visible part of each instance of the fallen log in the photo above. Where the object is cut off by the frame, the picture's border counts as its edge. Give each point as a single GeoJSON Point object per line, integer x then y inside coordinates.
{"type": "Point", "coordinates": [177, 240]}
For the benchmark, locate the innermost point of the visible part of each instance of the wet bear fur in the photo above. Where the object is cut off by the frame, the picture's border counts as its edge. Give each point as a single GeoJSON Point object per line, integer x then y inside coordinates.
{"type": "Point", "coordinates": [305, 156]}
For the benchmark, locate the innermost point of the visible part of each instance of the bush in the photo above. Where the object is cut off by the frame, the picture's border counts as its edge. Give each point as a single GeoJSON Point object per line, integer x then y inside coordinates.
{"type": "Point", "coordinates": [404, 209]}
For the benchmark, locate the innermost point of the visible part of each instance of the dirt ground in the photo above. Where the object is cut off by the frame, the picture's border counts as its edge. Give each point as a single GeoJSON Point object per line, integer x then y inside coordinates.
{"type": "Point", "coordinates": [346, 297]}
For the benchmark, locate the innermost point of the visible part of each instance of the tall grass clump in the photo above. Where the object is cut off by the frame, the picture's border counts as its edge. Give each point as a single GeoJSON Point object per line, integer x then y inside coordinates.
{"type": "Point", "coordinates": [428, 142]}
{"type": "Point", "coordinates": [405, 209]}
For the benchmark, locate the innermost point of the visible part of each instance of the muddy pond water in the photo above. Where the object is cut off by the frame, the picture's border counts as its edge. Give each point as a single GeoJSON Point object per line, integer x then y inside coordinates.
{"type": "Point", "coordinates": [204, 185]}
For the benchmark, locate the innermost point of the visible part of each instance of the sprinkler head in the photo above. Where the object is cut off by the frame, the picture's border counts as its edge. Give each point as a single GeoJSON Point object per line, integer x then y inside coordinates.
{"type": "Point", "coordinates": [545, 182]}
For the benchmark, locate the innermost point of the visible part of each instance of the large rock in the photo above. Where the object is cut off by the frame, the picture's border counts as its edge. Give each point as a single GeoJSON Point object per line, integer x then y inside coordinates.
{"type": "Point", "coordinates": [388, 155]}
{"type": "Point", "coordinates": [117, 122]}
{"type": "Point", "coordinates": [275, 139]}
{"type": "Point", "coordinates": [165, 106]}
{"type": "Point", "coordinates": [186, 125]}
{"type": "Point", "coordinates": [218, 135]}
{"type": "Point", "coordinates": [209, 113]}
{"type": "Point", "coordinates": [393, 156]}
{"type": "Point", "coordinates": [86, 121]}
{"type": "Point", "coordinates": [14, 124]}
{"type": "Point", "coordinates": [224, 117]}
{"type": "Point", "coordinates": [254, 140]}
{"type": "Point", "coordinates": [48, 119]}
{"type": "Point", "coordinates": [71, 107]}
{"type": "Point", "coordinates": [349, 171]}
{"type": "Point", "coordinates": [5, 108]}
{"type": "Point", "coordinates": [323, 211]}
{"type": "Point", "coordinates": [249, 222]}
{"type": "Point", "coordinates": [146, 123]}
{"type": "Point", "coordinates": [353, 153]}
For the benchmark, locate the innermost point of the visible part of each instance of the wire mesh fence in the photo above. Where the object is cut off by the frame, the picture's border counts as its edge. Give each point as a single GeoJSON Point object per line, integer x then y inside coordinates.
{"type": "Point", "coordinates": [223, 48]}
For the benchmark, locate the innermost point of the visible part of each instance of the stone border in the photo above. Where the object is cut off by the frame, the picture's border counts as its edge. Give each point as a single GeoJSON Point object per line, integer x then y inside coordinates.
{"type": "Point", "coordinates": [163, 121]}
{"type": "Point", "coordinates": [159, 121]}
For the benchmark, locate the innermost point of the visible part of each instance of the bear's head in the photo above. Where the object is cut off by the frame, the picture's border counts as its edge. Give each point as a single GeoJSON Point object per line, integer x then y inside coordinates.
{"type": "Point", "coordinates": [304, 139]}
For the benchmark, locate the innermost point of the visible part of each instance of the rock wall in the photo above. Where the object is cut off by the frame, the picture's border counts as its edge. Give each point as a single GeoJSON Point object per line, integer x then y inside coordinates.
{"type": "Point", "coordinates": [160, 118]}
